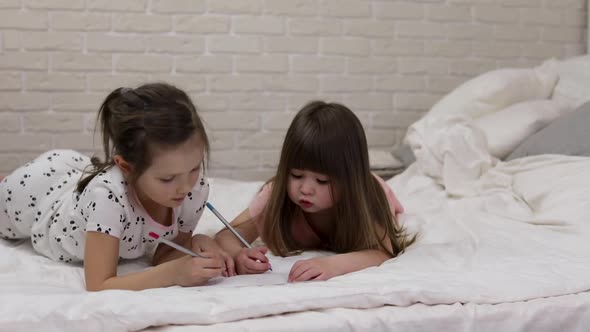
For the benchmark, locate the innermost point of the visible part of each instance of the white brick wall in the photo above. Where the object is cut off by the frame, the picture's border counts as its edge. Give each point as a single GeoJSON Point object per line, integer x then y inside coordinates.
{"type": "Point", "coordinates": [250, 64]}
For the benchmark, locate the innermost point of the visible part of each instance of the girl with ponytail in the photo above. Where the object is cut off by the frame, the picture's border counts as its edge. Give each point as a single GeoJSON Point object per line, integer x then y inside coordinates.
{"type": "Point", "coordinates": [98, 211]}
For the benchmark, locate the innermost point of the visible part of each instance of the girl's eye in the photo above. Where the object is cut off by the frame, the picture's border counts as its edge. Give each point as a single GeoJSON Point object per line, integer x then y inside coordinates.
{"type": "Point", "coordinates": [167, 180]}
{"type": "Point", "coordinates": [297, 176]}
{"type": "Point", "coordinates": [322, 181]}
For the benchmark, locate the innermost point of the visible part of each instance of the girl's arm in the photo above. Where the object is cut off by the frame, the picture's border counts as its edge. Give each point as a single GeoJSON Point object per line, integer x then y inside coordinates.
{"type": "Point", "coordinates": [243, 224]}
{"type": "Point", "coordinates": [247, 261]}
{"type": "Point", "coordinates": [324, 268]}
{"type": "Point", "coordinates": [358, 260]}
{"type": "Point", "coordinates": [101, 258]}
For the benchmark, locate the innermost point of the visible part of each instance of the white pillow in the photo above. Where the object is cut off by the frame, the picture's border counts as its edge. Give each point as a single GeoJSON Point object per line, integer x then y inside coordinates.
{"type": "Point", "coordinates": [574, 81]}
{"type": "Point", "coordinates": [498, 89]}
{"type": "Point", "coordinates": [506, 129]}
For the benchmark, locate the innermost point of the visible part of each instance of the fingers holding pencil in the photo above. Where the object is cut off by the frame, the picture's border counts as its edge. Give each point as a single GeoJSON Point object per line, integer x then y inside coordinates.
{"type": "Point", "coordinates": [196, 271]}
{"type": "Point", "coordinates": [252, 261]}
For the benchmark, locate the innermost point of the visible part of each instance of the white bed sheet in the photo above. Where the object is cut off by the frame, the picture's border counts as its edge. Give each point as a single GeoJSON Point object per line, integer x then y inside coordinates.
{"type": "Point", "coordinates": [497, 237]}
{"type": "Point", "coordinates": [561, 313]}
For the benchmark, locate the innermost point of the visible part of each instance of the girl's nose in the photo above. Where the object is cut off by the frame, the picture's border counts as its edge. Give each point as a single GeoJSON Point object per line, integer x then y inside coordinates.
{"type": "Point", "coordinates": [306, 188]}
{"type": "Point", "coordinates": [184, 188]}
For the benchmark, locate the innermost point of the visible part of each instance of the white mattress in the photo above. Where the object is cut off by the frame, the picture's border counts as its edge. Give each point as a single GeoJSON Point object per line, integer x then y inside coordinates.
{"type": "Point", "coordinates": [508, 240]}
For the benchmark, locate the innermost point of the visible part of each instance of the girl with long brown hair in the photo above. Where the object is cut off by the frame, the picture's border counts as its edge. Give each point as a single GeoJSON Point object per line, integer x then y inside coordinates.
{"type": "Point", "coordinates": [323, 196]}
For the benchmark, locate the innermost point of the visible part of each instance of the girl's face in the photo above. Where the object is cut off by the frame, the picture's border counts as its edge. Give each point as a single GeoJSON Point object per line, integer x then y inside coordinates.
{"type": "Point", "coordinates": [309, 190]}
{"type": "Point", "coordinates": [172, 174]}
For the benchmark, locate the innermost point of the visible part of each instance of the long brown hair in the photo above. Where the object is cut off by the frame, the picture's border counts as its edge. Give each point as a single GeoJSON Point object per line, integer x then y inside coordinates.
{"type": "Point", "coordinates": [134, 121]}
{"type": "Point", "coordinates": [328, 138]}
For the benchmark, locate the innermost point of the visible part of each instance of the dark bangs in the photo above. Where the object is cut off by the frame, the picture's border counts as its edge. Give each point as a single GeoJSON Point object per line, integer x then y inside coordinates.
{"type": "Point", "coordinates": [319, 149]}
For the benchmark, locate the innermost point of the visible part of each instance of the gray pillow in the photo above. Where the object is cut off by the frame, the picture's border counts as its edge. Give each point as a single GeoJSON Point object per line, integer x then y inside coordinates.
{"type": "Point", "coordinates": [567, 135]}
{"type": "Point", "coordinates": [404, 154]}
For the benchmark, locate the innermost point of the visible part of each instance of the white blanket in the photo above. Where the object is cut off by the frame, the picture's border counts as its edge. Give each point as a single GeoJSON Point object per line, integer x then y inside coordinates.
{"type": "Point", "coordinates": [489, 233]}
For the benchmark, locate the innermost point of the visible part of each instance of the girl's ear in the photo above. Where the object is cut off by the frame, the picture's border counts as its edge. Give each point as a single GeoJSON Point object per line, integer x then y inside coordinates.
{"type": "Point", "coordinates": [123, 165]}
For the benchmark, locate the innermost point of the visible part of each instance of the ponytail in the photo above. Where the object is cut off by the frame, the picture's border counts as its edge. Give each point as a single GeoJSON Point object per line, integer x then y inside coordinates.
{"type": "Point", "coordinates": [104, 118]}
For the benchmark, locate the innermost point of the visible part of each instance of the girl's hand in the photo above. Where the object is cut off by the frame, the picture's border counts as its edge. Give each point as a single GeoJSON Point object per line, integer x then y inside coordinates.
{"type": "Point", "coordinates": [252, 261]}
{"type": "Point", "coordinates": [196, 271]}
{"type": "Point", "coordinates": [202, 243]}
{"type": "Point", "coordinates": [230, 269]}
{"type": "Point", "coordinates": [320, 268]}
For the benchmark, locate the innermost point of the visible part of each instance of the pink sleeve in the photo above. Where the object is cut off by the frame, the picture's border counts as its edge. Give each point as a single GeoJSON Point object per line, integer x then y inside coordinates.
{"type": "Point", "coordinates": [257, 205]}
{"type": "Point", "coordinates": [394, 203]}
{"type": "Point", "coordinates": [259, 202]}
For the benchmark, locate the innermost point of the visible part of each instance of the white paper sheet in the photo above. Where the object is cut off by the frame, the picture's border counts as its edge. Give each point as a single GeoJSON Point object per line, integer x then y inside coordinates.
{"type": "Point", "coordinates": [278, 276]}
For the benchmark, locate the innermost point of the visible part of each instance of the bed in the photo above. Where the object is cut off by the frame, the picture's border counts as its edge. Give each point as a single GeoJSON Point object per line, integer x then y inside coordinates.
{"type": "Point", "coordinates": [503, 239]}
